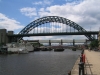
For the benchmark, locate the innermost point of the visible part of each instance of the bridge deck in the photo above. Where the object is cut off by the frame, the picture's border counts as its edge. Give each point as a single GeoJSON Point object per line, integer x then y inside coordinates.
{"type": "Point", "coordinates": [54, 34]}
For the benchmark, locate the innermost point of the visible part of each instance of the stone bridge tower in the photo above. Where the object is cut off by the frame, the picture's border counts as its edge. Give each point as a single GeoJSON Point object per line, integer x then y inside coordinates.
{"type": "Point", "coordinates": [3, 36]}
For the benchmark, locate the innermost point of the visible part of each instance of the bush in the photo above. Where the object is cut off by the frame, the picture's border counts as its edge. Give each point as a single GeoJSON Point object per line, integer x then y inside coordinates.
{"type": "Point", "coordinates": [94, 43]}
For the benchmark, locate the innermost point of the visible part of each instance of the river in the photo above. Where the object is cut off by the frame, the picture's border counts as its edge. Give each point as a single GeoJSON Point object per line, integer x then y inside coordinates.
{"type": "Point", "coordinates": [38, 63]}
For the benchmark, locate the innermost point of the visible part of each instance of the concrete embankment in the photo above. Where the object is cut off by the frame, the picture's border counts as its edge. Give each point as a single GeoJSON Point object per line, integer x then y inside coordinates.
{"type": "Point", "coordinates": [75, 68]}
{"type": "Point", "coordinates": [92, 63]}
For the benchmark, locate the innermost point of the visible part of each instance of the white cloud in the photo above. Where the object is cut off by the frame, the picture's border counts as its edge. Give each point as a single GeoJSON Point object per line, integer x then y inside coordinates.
{"type": "Point", "coordinates": [37, 3]}
{"type": "Point", "coordinates": [71, 37]}
{"type": "Point", "coordinates": [43, 3]}
{"type": "Point", "coordinates": [74, 1]}
{"type": "Point", "coordinates": [86, 13]}
{"type": "Point", "coordinates": [48, 2]}
{"type": "Point", "coordinates": [9, 24]}
{"type": "Point", "coordinates": [41, 38]}
{"type": "Point", "coordinates": [28, 11]}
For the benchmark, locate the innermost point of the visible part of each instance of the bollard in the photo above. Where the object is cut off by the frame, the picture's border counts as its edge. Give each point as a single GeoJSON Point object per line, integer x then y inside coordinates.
{"type": "Point", "coordinates": [83, 58]}
{"type": "Point", "coordinates": [81, 68]}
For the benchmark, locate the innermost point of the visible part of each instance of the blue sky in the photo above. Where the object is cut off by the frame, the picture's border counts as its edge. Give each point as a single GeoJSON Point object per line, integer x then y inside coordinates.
{"type": "Point", "coordinates": [16, 14]}
{"type": "Point", "coordinates": [11, 8]}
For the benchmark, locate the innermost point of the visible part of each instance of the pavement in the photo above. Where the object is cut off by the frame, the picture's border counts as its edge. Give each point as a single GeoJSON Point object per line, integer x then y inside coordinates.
{"type": "Point", "coordinates": [92, 63]}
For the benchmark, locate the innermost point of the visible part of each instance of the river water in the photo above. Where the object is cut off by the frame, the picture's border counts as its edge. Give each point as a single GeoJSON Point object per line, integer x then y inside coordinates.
{"type": "Point", "coordinates": [38, 63]}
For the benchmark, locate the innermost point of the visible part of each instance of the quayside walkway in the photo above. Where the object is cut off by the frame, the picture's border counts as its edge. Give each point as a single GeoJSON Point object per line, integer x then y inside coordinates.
{"type": "Point", "coordinates": [92, 63]}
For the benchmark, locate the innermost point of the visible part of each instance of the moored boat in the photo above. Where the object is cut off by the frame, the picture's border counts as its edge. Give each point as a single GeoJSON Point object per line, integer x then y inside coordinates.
{"type": "Point", "coordinates": [19, 47]}
{"type": "Point", "coordinates": [36, 49]}
{"type": "Point", "coordinates": [58, 49]}
{"type": "Point", "coordinates": [43, 48]}
{"type": "Point", "coordinates": [22, 51]}
{"type": "Point", "coordinates": [74, 49]}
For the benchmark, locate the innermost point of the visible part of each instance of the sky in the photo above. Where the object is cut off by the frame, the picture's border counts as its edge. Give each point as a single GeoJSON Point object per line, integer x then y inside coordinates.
{"type": "Point", "coordinates": [16, 14]}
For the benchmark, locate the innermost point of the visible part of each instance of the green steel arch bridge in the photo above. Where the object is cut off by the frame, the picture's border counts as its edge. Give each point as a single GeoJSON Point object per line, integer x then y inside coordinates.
{"type": "Point", "coordinates": [52, 26]}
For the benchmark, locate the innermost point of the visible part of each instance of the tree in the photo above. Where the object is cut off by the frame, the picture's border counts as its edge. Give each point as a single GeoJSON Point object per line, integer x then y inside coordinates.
{"type": "Point", "coordinates": [94, 43]}
{"type": "Point", "coordinates": [36, 44]}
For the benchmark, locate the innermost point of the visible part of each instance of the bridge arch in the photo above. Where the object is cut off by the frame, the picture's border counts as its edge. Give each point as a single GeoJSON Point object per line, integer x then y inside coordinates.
{"type": "Point", "coordinates": [57, 19]}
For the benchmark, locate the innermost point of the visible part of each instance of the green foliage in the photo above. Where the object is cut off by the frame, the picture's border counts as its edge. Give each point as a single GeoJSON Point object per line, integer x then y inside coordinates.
{"type": "Point", "coordinates": [94, 43]}
{"type": "Point", "coordinates": [36, 44]}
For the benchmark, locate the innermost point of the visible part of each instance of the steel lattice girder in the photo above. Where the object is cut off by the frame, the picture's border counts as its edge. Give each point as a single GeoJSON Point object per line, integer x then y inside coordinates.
{"type": "Point", "coordinates": [57, 19]}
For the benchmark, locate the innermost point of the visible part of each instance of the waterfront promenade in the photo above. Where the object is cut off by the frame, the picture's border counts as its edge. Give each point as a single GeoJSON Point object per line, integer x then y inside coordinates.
{"type": "Point", "coordinates": [92, 63]}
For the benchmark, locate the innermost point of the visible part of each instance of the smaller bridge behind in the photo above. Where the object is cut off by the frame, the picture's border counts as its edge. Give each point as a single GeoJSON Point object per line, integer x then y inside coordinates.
{"type": "Point", "coordinates": [59, 41]}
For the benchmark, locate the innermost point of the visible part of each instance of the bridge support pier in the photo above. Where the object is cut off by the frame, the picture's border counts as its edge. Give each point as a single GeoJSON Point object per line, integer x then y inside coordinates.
{"type": "Point", "coordinates": [49, 43]}
{"type": "Point", "coordinates": [61, 42]}
{"type": "Point", "coordinates": [73, 42]}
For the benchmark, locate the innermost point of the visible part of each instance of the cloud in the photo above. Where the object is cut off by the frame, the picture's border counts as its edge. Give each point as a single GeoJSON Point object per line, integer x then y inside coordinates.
{"type": "Point", "coordinates": [37, 3]}
{"type": "Point", "coordinates": [29, 11]}
{"type": "Point", "coordinates": [43, 3]}
{"type": "Point", "coordinates": [56, 37]}
{"type": "Point", "coordinates": [9, 24]}
{"type": "Point", "coordinates": [41, 38]}
{"type": "Point", "coordinates": [75, 1]}
{"type": "Point", "coordinates": [86, 13]}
